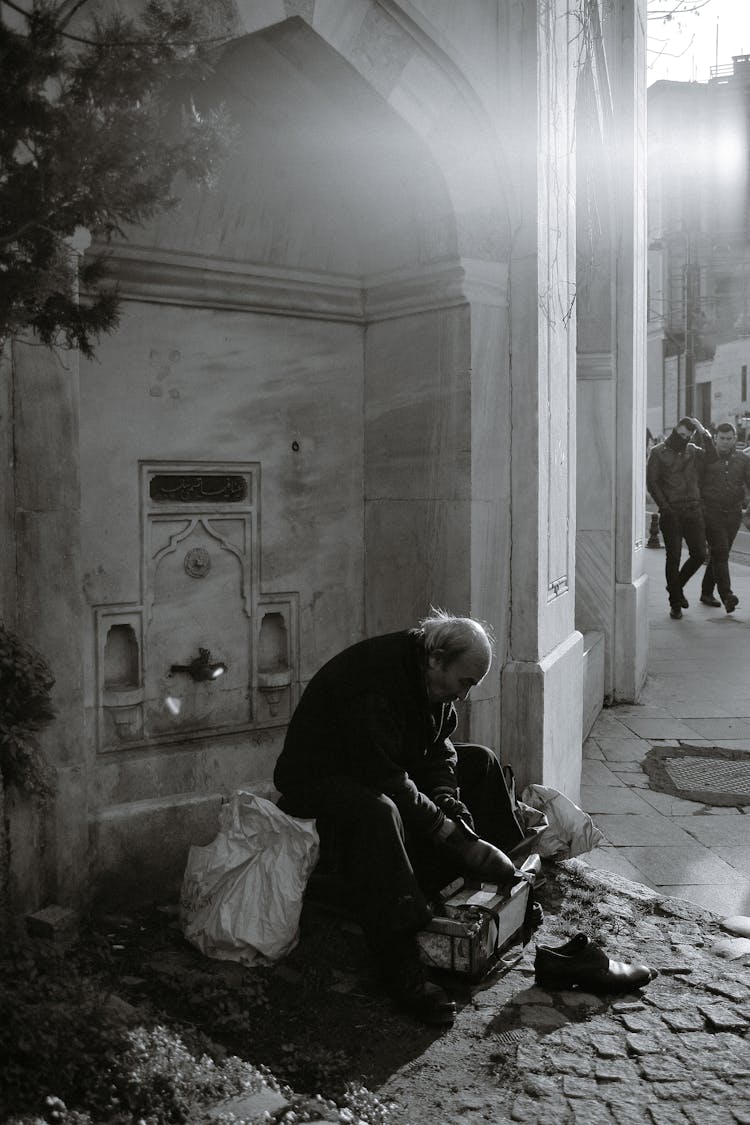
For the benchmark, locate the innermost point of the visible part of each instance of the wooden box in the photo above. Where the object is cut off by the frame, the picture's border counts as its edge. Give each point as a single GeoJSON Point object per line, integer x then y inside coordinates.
{"type": "Point", "coordinates": [476, 929]}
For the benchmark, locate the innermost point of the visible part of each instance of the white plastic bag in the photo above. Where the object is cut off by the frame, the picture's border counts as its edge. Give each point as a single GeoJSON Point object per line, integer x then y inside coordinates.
{"type": "Point", "coordinates": [242, 894]}
{"type": "Point", "coordinates": [571, 830]}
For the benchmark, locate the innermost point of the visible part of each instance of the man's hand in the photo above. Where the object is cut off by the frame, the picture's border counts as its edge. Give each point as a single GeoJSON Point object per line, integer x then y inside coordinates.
{"type": "Point", "coordinates": [478, 857]}
{"type": "Point", "coordinates": [699, 427]}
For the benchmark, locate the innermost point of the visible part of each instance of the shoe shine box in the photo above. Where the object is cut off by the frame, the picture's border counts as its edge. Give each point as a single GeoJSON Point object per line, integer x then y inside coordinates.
{"type": "Point", "coordinates": [475, 929]}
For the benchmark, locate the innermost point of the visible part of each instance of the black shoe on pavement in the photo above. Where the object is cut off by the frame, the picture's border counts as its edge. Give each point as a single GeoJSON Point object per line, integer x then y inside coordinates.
{"type": "Point", "coordinates": [685, 603]}
{"type": "Point", "coordinates": [731, 603]}
{"type": "Point", "coordinates": [675, 612]}
{"type": "Point", "coordinates": [709, 599]}
{"type": "Point", "coordinates": [581, 964]}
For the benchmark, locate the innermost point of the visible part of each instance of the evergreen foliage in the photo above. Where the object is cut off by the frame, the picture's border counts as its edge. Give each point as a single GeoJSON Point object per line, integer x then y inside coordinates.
{"type": "Point", "coordinates": [95, 131]}
{"type": "Point", "coordinates": [25, 706]}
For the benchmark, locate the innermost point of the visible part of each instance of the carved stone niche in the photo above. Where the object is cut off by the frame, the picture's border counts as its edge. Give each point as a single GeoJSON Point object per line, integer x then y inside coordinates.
{"type": "Point", "coordinates": [277, 658]}
{"type": "Point", "coordinates": [119, 672]}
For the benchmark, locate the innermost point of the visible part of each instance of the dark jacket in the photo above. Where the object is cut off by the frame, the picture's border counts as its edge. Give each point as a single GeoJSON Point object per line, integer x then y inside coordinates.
{"type": "Point", "coordinates": [366, 715]}
{"type": "Point", "coordinates": [723, 482]}
{"type": "Point", "coordinates": [672, 474]}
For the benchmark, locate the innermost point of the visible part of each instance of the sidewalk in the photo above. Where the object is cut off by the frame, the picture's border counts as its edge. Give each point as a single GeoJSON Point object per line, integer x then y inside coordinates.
{"type": "Point", "coordinates": [697, 692]}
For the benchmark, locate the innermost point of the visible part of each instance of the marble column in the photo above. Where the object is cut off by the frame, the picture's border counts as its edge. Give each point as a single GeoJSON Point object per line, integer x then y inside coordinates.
{"type": "Point", "coordinates": [627, 36]}
{"type": "Point", "coordinates": [542, 677]}
{"type": "Point", "coordinates": [610, 579]}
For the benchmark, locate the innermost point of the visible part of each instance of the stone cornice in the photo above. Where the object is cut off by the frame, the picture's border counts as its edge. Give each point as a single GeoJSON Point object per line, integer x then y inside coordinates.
{"type": "Point", "coordinates": [169, 277]}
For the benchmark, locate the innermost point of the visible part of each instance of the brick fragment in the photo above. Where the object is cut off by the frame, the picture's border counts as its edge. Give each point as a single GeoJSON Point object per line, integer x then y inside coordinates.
{"type": "Point", "coordinates": [55, 923]}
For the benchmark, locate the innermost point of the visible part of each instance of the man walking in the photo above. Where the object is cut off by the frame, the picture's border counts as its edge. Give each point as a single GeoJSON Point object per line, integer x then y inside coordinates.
{"type": "Point", "coordinates": [673, 482]}
{"type": "Point", "coordinates": [723, 484]}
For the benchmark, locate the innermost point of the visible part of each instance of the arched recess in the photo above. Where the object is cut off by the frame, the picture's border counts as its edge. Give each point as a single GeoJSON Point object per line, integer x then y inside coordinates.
{"type": "Point", "coordinates": [366, 187]}
{"type": "Point", "coordinates": [359, 157]}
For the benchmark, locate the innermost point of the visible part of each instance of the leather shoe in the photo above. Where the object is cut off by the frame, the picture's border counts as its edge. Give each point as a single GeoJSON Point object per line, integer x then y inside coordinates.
{"type": "Point", "coordinates": [675, 612]}
{"type": "Point", "coordinates": [684, 602]}
{"type": "Point", "coordinates": [429, 1004]}
{"type": "Point", "coordinates": [708, 599]}
{"type": "Point", "coordinates": [405, 978]}
{"type": "Point", "coordinates": [731, 603]}
{"type": "Point", "coordinates": [581, 964]}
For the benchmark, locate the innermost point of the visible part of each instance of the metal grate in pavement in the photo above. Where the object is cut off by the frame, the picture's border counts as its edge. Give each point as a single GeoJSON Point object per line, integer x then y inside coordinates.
{"type": "Point", "coordinates": [713, 774]}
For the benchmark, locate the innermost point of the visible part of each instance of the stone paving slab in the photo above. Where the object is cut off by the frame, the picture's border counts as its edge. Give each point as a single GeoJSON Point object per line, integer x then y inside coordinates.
{"type": "Point", "coordinates": [611, 799]}
{"type": "Point", "coordinates": [625, 828]}
{"type": "Point", "coordinates": [689, 863]}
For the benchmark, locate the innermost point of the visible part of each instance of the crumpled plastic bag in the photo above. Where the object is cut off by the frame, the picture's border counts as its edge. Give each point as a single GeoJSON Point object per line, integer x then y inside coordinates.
{"type": "Point", "coordinates": [571, 831]}
{"type": "Point", "coordinates": [241, 895]}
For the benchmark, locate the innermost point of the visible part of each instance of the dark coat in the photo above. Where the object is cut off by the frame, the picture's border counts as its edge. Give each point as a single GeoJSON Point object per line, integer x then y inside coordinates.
{"type": "Point", "coordinates": [366, 715]}
{"type": "Point", "coordinates": [672, 474]}
{"type": "Point", "coordinates": [723, 482]}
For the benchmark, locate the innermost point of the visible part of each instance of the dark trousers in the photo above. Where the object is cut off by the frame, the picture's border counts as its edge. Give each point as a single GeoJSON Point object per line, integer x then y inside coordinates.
{"type": "Point", "coordinates": [676, 526]}
{"type": "Point", "coordinates": [721, 531]}
{"type": "Point", "coordinates": [387, 877]}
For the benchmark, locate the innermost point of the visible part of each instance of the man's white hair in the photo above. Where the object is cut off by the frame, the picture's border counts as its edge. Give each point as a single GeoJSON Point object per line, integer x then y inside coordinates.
{"type": "Point", "coordinates": [444, 634]}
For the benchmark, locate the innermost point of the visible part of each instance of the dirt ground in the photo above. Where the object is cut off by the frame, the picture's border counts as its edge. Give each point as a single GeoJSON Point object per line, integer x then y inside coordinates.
{"type": "Point", "coordinates": [319, 1019]}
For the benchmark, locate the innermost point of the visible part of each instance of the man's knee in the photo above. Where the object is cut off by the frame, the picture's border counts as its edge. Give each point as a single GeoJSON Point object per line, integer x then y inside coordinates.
{"type": "Point", "coordinates": [474, 761]}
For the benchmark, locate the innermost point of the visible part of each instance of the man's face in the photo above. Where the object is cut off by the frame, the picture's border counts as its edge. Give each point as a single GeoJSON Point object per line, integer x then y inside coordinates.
{"type": "Point", "coordinates": [684, 432]}
{"type": "Point", "coordinates": [448, 683]}
{"type": "Point", "coordinates": [725, 440]}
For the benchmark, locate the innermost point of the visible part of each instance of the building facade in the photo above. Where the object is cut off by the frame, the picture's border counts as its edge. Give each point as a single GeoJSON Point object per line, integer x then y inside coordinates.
{"type": "Point", "coordinates": [699, 248]}
{"type": "Point", "coordinates": [395, 359]}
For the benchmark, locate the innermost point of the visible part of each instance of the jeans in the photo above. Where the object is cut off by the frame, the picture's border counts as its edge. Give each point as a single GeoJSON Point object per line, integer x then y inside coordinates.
{"type": "Point", "coordinates": [676, 526]}
{"type": "Point", "coordinates": [387, 878]}
{"type": "Point", "coordinates": [721, 531]}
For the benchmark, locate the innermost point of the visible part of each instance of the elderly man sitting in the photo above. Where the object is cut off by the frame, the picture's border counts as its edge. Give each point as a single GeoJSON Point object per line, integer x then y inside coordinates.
{"type": "Point", "coordinates": [368, 753]}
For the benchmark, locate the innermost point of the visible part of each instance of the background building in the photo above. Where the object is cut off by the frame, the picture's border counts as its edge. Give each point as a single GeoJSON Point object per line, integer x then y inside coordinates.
{"type": "Point", "coordinates": [699, 253]}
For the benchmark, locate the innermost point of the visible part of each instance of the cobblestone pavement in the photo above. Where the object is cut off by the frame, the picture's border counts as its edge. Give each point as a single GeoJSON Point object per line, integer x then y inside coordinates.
{"type": "Point", "coordinates": [677, 1051]}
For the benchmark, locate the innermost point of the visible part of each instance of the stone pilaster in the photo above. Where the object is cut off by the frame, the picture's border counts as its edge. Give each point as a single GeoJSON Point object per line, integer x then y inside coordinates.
{"type": "Point", "coordinates": [542, 678]}
{"type": "Point", "coordinates": [630, 649]}
{"type": "Point", "coordinates": [49, 598]}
